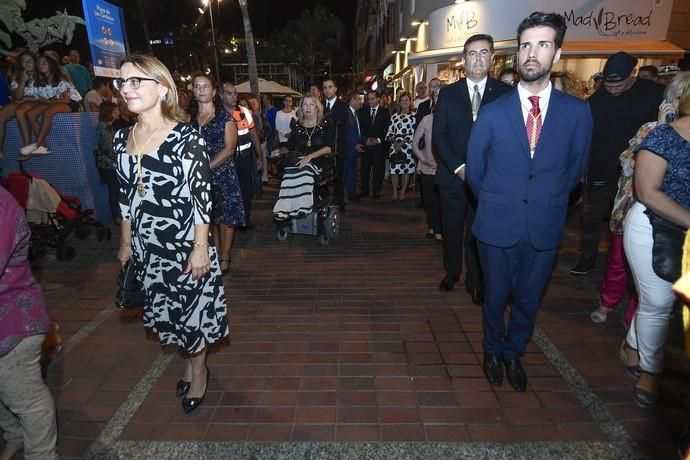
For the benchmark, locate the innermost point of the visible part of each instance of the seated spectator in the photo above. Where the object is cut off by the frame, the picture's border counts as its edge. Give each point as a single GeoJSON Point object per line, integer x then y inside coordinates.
{"type": "Point", "coordinates": [53, 95]}
{"type": "Point", "coordinates": [105, 156]}
{"type": "Point", "coordinates": [100, 92]}
{"type": "Point", "coordinates": [54, 55]}
{"type": "Point", "coordinates": [27, 410]}
{"type": "Point", "coordinates": [21, 87]}
{"type": "Point", "coordinates": [81, 78]}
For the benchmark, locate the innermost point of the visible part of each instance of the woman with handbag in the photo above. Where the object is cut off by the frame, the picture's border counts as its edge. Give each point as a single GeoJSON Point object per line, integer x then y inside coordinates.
{"type": "Point", "coordinates": [662, 181]}
{"type": "Point", "coordinates": [165, 200]}
{"type": "Point", "coordinates": [401, 158]}
{"type": "Point", "coordinates": [220, 133]}
{"type": "Point", "coordinates": [426, 166]}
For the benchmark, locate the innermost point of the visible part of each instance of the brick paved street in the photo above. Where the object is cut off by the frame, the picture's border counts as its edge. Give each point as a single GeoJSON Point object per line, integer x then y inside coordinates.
{"type": "Point", "coordinates": [351, 344]}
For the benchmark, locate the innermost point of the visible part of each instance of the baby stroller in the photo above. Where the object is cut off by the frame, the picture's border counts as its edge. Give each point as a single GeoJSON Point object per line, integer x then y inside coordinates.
{"type": "Point", "coordinates": [51, 216]}
{"type": "Point", "coordinates": [300, 210]}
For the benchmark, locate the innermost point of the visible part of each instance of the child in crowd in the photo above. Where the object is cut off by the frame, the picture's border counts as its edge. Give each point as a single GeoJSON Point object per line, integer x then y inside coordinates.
{"type": "Point", "coordinates": [53, 95]}
{"type": "Point", "coordinates": [105, 156]}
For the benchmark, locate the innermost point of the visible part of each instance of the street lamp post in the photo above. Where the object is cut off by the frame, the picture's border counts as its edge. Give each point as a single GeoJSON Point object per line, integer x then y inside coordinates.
{"type": "Point", "coordinates": [208, 5]}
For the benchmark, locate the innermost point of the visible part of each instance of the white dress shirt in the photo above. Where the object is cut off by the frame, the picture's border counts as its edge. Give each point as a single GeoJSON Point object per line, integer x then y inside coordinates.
{"type": "Point", "coordinates": [470, 90]}
{"type": "Point", "coordinates": [331, 102]}
{"type": "Point", "coordinates": [526, 105]}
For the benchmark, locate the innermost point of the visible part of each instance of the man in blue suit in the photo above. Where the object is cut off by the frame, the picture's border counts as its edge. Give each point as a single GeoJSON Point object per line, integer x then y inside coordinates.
{"type": "Point", "coordinates": [526, 152]}
{"type": "Point", "coordinates": [355, 145]}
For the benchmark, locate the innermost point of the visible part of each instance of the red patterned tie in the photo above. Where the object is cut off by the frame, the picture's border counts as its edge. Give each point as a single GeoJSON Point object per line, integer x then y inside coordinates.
{"type": "Point", "coordinates": [533, 125]}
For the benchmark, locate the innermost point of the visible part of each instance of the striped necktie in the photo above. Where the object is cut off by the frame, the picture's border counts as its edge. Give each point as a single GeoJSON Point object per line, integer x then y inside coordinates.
{"type": "Point", "coordinates": [533, 125]}
{"type": "Point", "coordinates": [476, 102]}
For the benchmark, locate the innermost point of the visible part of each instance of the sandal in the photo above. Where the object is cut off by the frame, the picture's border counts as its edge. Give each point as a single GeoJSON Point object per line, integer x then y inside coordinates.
{"type": "Point", "coordinates": [599, 315]}
{"type": "Point", "coordinates": [227, 267]}
{"type": "Point", "coordinates": [633, 370]}
{"type": "Point", "coordinates": [645, 398]}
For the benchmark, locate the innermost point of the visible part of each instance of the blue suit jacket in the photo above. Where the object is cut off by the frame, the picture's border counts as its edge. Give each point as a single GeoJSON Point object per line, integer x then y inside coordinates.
{"type": "Point", "coordinates": [353, 136]}
{"type": "Point", "coordinates": [516, 194]}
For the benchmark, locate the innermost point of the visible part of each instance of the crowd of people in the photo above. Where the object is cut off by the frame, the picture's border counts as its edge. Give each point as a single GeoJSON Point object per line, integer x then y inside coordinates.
{"type": "Point", "coordinates": [182, 173]}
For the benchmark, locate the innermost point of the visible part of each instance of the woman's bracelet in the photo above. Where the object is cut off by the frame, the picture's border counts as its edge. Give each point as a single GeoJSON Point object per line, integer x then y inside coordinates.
{"type": "Point", "coordinates": [199, 244]}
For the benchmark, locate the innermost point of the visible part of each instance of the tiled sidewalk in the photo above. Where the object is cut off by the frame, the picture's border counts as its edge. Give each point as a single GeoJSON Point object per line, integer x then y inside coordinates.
{"type": "Point", "coordinates": [350, 343]}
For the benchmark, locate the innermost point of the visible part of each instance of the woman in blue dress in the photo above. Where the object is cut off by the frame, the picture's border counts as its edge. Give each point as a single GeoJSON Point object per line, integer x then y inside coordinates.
{"type": "Point", "coordinates": [220, 133]}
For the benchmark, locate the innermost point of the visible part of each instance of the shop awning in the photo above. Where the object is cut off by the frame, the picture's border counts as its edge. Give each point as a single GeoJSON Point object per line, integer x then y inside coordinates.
{"type": "Point", "coordinates": [646, 48]}
{"type": "Point", "coordinates": [640, 48]}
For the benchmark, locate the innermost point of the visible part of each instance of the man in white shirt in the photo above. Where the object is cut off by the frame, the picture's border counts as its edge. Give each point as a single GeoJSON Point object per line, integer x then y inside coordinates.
{"type": "Point", "coordinates": [454, 115]}
{"type": "Point", "coordinates": [95, 97]}
{"type": "Point", "coordinates": [526, 153]}
{"type": "Point", "coordinates": [421, 94]}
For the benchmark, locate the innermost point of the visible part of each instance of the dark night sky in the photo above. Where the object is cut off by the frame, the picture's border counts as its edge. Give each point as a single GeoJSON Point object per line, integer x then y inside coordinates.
{"type": "Point", "coordinates": [266, 15]}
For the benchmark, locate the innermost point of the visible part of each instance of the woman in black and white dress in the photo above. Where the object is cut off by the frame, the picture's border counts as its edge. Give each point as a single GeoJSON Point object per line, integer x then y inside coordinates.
{"type": "Point", "coordinates": [400, 133]}
{"type": "Point", "coordinates": [165, 199]}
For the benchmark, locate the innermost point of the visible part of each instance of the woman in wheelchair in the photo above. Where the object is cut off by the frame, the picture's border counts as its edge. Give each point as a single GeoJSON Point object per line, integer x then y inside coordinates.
{"type": "Point", "coordinates": [306, 161]}
{"type": "Point", "coordinates": [311, 138]}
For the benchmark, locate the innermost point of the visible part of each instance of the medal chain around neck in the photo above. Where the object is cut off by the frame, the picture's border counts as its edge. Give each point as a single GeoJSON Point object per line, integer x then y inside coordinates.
{"type": "Point", "coordinates": [140, 153]}
{"type": "Point", "coordinates": [309, 135]}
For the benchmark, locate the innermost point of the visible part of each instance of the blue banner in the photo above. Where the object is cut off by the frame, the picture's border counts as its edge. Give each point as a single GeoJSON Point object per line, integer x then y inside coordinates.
{"type": "Point", "coordinates": [106, 30]}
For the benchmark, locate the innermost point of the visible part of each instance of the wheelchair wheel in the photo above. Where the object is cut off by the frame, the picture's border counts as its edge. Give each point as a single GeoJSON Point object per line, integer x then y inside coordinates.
{"type": "Point", "coordinates": [281, 234]}
{"type": "Point", "coordinates": [65, 252]}
{"type": "Point", "coordinates": [324, 240]}
{"type": "Point", "coordinates": [332, 222]}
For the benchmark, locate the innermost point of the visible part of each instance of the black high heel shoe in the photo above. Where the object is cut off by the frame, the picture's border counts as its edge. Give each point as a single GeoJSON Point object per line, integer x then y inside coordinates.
{"type": "Point", "coordinates": [190, 404]}
{"type": "Point", "coordinates": [182, 387]}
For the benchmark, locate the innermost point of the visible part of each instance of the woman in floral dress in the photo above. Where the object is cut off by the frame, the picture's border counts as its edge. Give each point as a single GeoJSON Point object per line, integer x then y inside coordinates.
{"type": "Point", "coordinates": [220, 133]}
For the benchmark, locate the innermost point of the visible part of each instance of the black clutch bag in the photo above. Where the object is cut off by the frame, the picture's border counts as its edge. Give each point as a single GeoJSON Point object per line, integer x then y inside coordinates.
{"type": "Point", "coordinates": [667, 251]}
{"type": "Point", "coordinates": [130, 292]}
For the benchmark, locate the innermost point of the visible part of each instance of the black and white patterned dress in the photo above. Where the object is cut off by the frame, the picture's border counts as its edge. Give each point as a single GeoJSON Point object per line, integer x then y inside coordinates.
{"type": "Point", "coordinates": [177, 179]}
{"type": "Point", "coordinates": [402, 129]}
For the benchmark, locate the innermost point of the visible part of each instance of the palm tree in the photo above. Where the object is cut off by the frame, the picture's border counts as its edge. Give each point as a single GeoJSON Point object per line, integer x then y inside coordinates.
{"type": "Point", "coordinates": [251, 52]}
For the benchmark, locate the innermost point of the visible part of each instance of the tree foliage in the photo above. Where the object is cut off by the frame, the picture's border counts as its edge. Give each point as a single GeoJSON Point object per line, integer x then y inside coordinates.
{"type": "Point", "coordinates": [37, 33]}
{"type": "Point", "coordinates": [312, 41]}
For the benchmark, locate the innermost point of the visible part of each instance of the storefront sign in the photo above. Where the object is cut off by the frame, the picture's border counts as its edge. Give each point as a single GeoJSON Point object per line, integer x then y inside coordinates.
{"type": "Point", "coordinates": [105, 29]}
{"type": "Point", "coordinates": [586, 19]}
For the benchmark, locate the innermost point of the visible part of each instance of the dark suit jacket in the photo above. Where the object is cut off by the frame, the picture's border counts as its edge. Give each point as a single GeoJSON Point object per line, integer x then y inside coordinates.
{"type": "Point", "coordinates": [339, 115]}
{"type": "Point", "coordinates": [518, 195]}
{"type": "Point", "coordinates": [423, 110]}
{"type": "Point", "coordinates": [453, 123]}
{"type": "Point", "coordinates": [354, 135]}
{"type": "Point", "coordinates": [379, 128]}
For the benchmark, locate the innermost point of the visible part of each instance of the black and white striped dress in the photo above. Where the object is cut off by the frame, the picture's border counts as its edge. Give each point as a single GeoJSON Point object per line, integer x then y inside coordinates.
{"type": "Point", "coordinates": [177, 180]}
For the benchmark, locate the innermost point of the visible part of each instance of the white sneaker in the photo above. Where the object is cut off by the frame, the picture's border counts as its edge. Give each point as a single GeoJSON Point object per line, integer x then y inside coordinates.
{"type": "Point", "coordinates": [42, 150]}
{"type": "Point", "coordinates": [27, 149]}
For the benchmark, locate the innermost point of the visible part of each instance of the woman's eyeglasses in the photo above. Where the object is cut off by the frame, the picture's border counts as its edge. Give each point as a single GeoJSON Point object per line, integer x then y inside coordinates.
{"type": "Point", "coordinates": [133, 82]}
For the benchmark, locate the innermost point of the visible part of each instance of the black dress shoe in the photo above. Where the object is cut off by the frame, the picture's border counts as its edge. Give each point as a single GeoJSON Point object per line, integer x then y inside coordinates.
{"type": "Point", "coordinates": [430, 235]}
{"type": "Point", "coordinates": [354, 198]}
{"type": "Point", "coordinates": [516, 374]}
{"type": "Point", "coordinates": [477, 295]}
{"type": "Point", "coordinates": [182, 387]}
{"type": "Point", "coordinates": [493, 369]}
{"type": "Point", "coordinates": [190, 404]}
{"type": "Point", "coordinates": [363, 195]}
{"type": "Point", "coordinates": [448, 283]}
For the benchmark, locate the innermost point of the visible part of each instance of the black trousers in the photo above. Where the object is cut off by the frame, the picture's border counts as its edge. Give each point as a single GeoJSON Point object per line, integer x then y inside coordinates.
{"type": "Point", "coordinates": [373, 168]}
{"type": "Point", "coordinates": [432, 202]}
{"type": "Point", "coordinates": [109, 178]}
{"type": "Point", "coordinates": [339, 186]}
{"type": "Point", "coordinates": [245, 162]}
{"type": "Point", "coordinates": [458, 208]}
{"type": "Point", "coordinates": [598, 200]}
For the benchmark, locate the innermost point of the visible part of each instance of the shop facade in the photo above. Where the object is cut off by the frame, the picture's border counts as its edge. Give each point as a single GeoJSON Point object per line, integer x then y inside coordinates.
{"type": "Point", "coordinates": [431, 46]}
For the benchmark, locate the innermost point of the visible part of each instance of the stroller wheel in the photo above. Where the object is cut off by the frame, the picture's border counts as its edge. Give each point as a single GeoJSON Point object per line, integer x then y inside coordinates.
{"type": "Point", "coordinates": [65, 253]}
{"type": "Point", "coordinates": [324, 240]}
{"type": "Point", "coordinates": [281, 234]}
{"type": "Point", "coordinates": [82, 232]}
